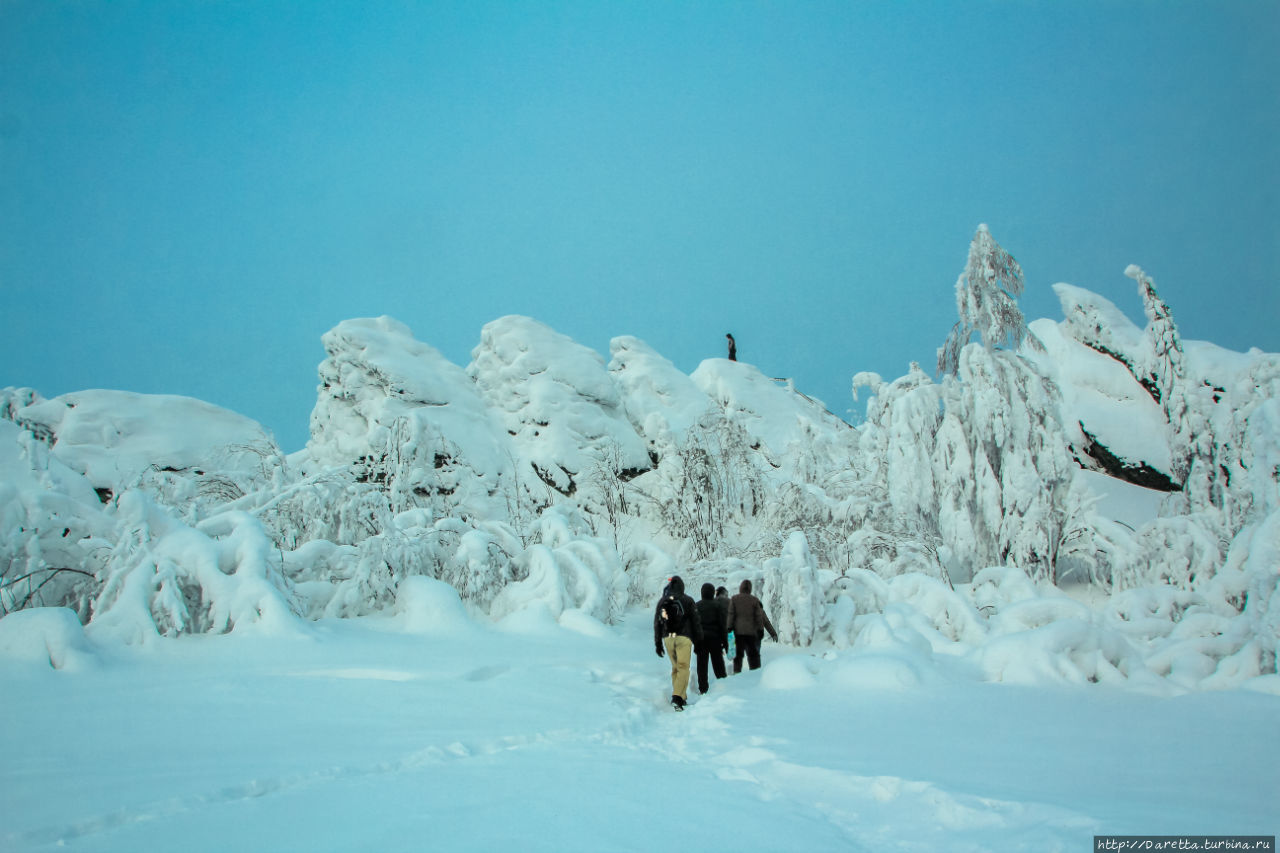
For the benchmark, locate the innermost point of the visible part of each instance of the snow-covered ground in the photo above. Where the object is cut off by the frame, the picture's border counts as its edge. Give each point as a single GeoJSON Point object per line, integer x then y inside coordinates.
{"type": "Point", "coordinates": [426, 730]}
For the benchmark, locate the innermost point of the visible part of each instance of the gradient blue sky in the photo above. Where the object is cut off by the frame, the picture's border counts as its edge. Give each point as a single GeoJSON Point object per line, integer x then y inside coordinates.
{"type": "Point", "coordinates": [192, 193]}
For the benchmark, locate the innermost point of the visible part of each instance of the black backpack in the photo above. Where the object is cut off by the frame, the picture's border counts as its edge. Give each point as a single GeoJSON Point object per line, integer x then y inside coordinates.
{"type": "Point", "coordinates": [671, 615]}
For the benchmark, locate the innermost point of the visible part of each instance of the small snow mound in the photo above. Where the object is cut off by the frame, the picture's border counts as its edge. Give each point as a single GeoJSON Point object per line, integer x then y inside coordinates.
{"type": "Point", "coordinates": [1038, 612]}
{"type": "Point", "coordinates": [790, 673]}
{"type": "Point", "coordinates": [428, 606]}
{"type": "Point", "coordinates": [997, 586]}
{"type": "Point", "coordinates": [535, 618]}
{"type": "Point", "coordinates": [1069, 651]}
{"type": "Point", "coordinates": [877, 671]}
{"type": "Point", "coordinates": [50, 636]}
{"type": "Point", "coordinates": [1263, 684]}
{"type": "Point", "coordinates": [583, 623]}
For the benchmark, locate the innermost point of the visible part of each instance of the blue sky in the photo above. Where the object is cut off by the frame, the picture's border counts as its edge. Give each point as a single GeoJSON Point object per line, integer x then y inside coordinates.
{"type": "Point", "coordinates": [192, 193]}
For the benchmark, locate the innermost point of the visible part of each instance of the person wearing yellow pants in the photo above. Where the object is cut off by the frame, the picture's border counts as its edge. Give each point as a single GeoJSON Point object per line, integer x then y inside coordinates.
{"type": "Point", "coordinates": [675, 629]}
{"type": "Point", "coordinates": [680, 651]}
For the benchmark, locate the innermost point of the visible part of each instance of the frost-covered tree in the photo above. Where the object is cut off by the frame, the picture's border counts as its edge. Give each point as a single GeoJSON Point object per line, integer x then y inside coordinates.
{"type": "Point", "coordinates": [987, 301]}
{"type": "Point", "coordinates": [793, 593]}
{"type": "Point", "coordinates": [710, 487]}
{"type": "Point", "coordinates": [1186, 422]}
{"type": "Point", "coordinates": [897, 521]}
{"type": "Point", "coordinates": [976, 470]}
{"type": "Point", "coordinates": [1017, 493]}
{"type": "Point", "coordinates": [1200, 459]}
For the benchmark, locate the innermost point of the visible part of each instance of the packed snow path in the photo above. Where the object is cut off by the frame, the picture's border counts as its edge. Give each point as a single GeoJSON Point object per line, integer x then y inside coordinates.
{"type": "Point", "coordinates": [360, 735]}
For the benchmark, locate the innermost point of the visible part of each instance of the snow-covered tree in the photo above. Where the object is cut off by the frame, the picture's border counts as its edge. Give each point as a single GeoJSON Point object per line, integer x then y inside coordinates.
{"type": "Point", "coordinates": [987, 301]}
{"type": "Point", "coordinates": [709, 487]}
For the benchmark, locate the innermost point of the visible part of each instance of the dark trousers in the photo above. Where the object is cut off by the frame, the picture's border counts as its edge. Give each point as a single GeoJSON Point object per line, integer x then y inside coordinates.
{"type": "Point", "coordinates": [750, 646]}
{"type": "Point", "coordinates": [716, 656]}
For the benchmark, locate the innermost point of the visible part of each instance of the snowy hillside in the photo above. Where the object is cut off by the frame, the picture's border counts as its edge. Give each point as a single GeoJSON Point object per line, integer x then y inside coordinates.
{"type": "Point", "coordinates": [1074, 505]}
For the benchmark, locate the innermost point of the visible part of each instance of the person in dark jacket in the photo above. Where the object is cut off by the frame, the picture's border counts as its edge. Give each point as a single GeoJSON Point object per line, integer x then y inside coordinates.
{"type": "Point", "coordinates": [748, 623]}
{"type": "Point", "coordinates": [722, 601]}
{"type": "Point", "coordinates": [715, 640]}
{"type": "Point", "coordinates": [733, 348]}
{"type": "Point", "coordinates": [677, 643]}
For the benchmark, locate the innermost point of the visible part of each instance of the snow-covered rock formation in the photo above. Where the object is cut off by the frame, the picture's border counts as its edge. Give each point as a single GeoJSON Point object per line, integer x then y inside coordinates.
{"type": "Point", "coordinates": [118, 439]}
{"type": "Point", "coordinates": [397, 413]}
{"type": "Point", "coordinates": [557, 401]}
{"type": "Point", "coordinates": [541, 483]}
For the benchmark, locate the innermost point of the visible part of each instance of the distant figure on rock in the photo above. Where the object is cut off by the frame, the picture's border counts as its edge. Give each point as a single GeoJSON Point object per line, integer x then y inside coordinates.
{"type": "Point", "coordinates": [733, 348]}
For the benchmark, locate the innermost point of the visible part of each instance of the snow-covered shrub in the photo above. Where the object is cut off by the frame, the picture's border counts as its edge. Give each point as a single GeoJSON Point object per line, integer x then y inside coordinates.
{"type": "Point", "coordinates": [566, 569]}
{"type": "Point", "coordinates": [331, 505]}
{"type": "Point", "coordinates": [482, 564]}
{"type": "Point", "coordinates": [947, 613]}
{"type": "Point", "coordinates": [166, 578]}
{"type": "Point", "coordinates": [1065, 650]}
{"type": "Point", "coordinates": [708, 489]}
{"type": "Point", "coordinates": [1250, 582]}
{"type": "Point", "coordinates": [647, 568]}
{"type": "Point", "coordinates": [995, 587]}
{"type": "Point", "coordinates": [791, 593]}
{"type": "Point", "coordinates": [893, 552]}
{"type": "Point", "coordinates": [865, 589]}
{"type": "Point", "coordinates": [55, 536]}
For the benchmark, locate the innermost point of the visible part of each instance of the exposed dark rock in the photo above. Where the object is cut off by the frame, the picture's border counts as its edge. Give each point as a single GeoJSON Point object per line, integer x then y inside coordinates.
{"type": "Point", "coordinates": [1140, 473]}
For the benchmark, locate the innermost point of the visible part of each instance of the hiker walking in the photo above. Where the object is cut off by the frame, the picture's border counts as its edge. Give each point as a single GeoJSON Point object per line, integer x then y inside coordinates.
{"type": "Point", "coordinates": [675, 629]}
{"type": "Point", "coordinates": [733, 348]}
{"type": "Point", "coordinates": [715, 641]}
{"type": "Point", "coordinates": [748, 623]}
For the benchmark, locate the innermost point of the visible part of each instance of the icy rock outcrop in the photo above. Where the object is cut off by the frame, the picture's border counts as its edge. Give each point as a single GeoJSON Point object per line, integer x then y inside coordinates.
{"type": "Point", "coordinates": [1096, 357]}
{"type": "Point", "coordinates": [661, 402]}
{"type": "Point", "coordinates": [775, 415]}
{"type": "Point", "coordinates": [556, 400]}
{"type": "Point", "coordinates": [404, 417]}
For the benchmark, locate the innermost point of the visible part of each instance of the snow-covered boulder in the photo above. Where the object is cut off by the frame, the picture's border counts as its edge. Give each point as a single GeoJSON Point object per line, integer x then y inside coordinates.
{"type": "Point", "coordinates": [177, 448]}
{"type": "Point", "coordinates": [1108, 416]}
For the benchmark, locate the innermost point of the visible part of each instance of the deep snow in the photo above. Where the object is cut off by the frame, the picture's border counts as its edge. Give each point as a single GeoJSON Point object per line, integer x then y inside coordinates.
{"type": "Point", "coordinates": [426, 730]}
